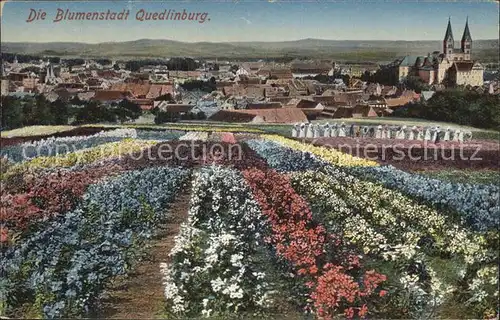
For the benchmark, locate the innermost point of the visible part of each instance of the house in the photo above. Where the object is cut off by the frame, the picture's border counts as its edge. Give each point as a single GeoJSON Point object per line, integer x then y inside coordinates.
{"type": "Point", "coordinates": [363, 111]}
{"type": "Point", "coordinates": [108, 96]}
{"type": "Point", "coordinates": [264, 105]}
{"type": "Point", "coordinates": [249, 91]}
{"type": "Point", "coordinates": [374, 89]}
{"type": "Point", "coordinates": [398, 102]}
{"type": "Point", "coordinates": [275, 72]}
{"type": "Point", "coordinates": [145, 104]}
{"type": "Point", "coordinates": [466, 73]}
{"type": "Point", "coordinates": [309, 69]}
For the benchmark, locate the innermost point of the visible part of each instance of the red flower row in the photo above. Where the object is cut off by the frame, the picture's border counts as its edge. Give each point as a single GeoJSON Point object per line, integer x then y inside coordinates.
{"type": "Point", "coordinates": [308, 247]}
{"type": "Point", "coordinates": [47, 195]}
{"type": "Point", "coordinates": [35, 197]}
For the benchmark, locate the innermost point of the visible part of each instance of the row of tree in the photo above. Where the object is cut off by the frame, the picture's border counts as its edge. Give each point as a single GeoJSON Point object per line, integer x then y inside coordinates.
{"type": "Point", "coordinates": [18, 112]}
{"type": "Point", "coordinates": [457, 106]}
{"type": "Point", "coordinates": [206, 86]}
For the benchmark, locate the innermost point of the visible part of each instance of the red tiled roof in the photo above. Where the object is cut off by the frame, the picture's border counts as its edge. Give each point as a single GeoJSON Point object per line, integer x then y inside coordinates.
{"type": "Point", "coordinates": [137, 90]}
{"type": "Point", "coordinates": [398, 102]}
{"type": "Point", "coordinates": [464, 66]}
{"type": "Point", "coordinates": [231, 116]}
{"type": "Point", "coordinates": [281, 115]}
{"type": "Point", "coordinates": [178, 107]}
{"type": "Point", "coordinates": [111, 95]}
{"type": "Point", "coordinates": [264, 105]}
{"type": "Point", "coordinates": [145, 104]}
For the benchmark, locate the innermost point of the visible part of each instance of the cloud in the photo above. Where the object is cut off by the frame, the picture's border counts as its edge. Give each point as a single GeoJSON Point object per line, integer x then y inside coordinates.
{"type": "Point", "coordinates": [246, 20]}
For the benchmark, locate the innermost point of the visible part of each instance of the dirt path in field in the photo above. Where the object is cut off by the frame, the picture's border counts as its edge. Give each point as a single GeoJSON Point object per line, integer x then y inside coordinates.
{"type": "Point", "coordinates": [140, 296]}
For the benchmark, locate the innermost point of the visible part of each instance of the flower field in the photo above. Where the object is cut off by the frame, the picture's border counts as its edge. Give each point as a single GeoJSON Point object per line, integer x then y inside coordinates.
{"type": "Point", "coordinates": [420, 155]}
{"type": "Point", "coordinates": [273, 227]}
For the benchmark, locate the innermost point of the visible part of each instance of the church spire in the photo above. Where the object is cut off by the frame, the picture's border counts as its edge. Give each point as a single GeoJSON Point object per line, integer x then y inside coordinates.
{"type": "Point", "coordinates": [467, 36]}
{"type": "Point", "coordinates": [448, 42]}
{"type": "Point", "coordinates": [449, 33]}
{"type": "Point", "coordinates": [466, 43]}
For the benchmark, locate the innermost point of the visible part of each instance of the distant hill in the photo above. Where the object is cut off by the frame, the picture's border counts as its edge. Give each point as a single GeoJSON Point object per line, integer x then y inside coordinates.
{"type": "Point", "coordinates": [352, 50]}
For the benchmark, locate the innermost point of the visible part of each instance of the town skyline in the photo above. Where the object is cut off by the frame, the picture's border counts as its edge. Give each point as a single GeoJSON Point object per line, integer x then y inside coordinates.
{"type": "Point", "coordinates": [245, 21]}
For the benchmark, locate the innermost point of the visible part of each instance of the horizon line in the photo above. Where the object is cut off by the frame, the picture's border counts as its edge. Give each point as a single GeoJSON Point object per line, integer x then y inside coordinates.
{"type": "Point", "coordinates": [238, 41]}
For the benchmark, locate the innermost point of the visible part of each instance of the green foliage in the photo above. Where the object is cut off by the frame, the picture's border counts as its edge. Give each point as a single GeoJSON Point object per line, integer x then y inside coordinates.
{"type": "Point", "coordinates": [384, 76]}
{"type": "Point", "coordinates": [60, 112]}
{"type": "Point", "coordinates": [93, 112]}
{"type": "Point", "coordinates": [21, 58]}
{"type": "Point", "coordinates": [11, 112]}
{"type": "Point", "coordinates": [33, 69]}
{"type": "Point", "coordinates": [415, 83]}
{"type": "Point", "coordinates": [74, 62]}
{"type": "Point", "coordinates": [32, 110]}
{"type": "Point", "coordinates": [166, 116]}
{"type": "Point", "coordinates": [207, 86]}
{"type": "Point", "coordinates": [127, 110]}
{"type": "Point", "coordinates": [457, 106]}
{"type": "Point", "coordinates": [103, 61]}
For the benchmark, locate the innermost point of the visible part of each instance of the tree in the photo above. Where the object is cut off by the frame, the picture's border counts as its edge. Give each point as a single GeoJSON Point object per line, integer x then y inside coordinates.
{"type": "Point", "coordinates": [60, 112]}
{"type": "Point", "coordinates": [11, 113]}
{"type": "Point", "coordinates": [33, 69]}
{"type": "Point", "coordinates": [103, 62]}
{"type": "Point", "coordinates": [42, 114]}
{"type": "Point", "coordinates": [116, 67]}
{"type": "Point", "coordinates": [94, 112]}
{"type": "Point", "coordinates": [127, 110]}
{"type": "Point", "coordinates": [166, 116]}
{"type": "Point", "coordinates": [76, 101]}
{"type": "Point", "coordinates": [201, 115]}
{"type": "Point", "coordinates": [457, 106]}
{"type": "Point", "coordinates": [415, 83]}
{"type": "Point", "coordinates": [207, 86]}
{"type": "Point", "coordinates": [56, 60]}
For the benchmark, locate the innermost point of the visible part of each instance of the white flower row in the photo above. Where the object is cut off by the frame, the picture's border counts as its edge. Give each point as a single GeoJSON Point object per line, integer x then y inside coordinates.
{"type": "Point", "coordinates": [400, 221]}
{"type": "Point", "coordinates": [54, 146]}
{"type": "Point", "coordinates": [195, 135]}
{"type": "Point", "coordinates": [214, 268]}
{"type": "Point", "coordinates": [117, 133]}
{"type": "Point", "coordinates": [388, 226]}
{"type": "Point", "coordinates": [478, 204]}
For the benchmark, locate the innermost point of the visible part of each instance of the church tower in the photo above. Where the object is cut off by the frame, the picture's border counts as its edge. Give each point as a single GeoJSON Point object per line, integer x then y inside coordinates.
{"type": "Point", "coordinates": [466, 43]}
{"type": "Point", "coordinates": [448, 42]}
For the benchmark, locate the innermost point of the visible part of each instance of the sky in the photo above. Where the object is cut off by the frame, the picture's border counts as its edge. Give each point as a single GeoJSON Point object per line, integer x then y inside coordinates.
{"type": "Point", "coordinates": [255, 20]}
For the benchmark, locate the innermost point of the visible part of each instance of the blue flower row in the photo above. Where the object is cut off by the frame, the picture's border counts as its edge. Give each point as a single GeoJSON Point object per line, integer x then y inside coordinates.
{"type": "Point", "coordinates": [63, 268]}
{"type": "Point", "coordinates": [477, 205]}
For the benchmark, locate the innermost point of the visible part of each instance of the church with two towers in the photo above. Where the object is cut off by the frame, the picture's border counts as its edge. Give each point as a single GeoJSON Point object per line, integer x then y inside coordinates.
{"type": "Point", "coordinates": [453, 66]}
